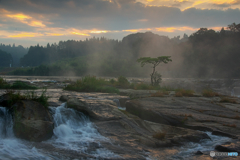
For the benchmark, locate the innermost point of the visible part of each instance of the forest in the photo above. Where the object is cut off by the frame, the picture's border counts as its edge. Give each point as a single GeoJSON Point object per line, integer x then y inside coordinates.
{"type": "Point", "coordinates": [204, 54]}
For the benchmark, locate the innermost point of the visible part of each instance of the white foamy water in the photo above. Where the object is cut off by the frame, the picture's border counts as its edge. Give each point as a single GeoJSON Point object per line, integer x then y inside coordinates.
{"type": "Point", "coordinates": [72, 132]}
{"type": "Point", "coordinates": [12, 148]}
{"type": "Point", "coordinates": [204, 145]}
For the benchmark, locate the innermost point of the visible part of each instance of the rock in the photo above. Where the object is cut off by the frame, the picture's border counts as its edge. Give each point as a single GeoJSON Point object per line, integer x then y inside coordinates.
{"type": "Point", "coordinates": [5, 100]}
{"type": "Point", "coordinates": [81, 107]}
{"type": "Point", "coordinates": [32, 121]}
{"type": "Point", "coordinates": [95, 108]}
{"type": "Point", "coordinates": [123, 101]}
{"type": "Point", "coordinates": [198, 153]}
{"type": "Point", "coordinates": [221, 148]}
{"type": "Point", "coordinates": [233, 146]}
{"type": "Point", "coordinates": [220, 133]}
{"type": "Point", "coordinates": [200, 113]}
{"type": "Point", "coordinates": [63, 98]}
{"type": "Point", "coordinates": [151, 115]}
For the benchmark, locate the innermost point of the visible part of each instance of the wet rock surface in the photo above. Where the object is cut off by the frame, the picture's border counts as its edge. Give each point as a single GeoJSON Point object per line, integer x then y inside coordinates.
{"type": "Point", "coordinates": [189, 112]}
{"type": "Point", "coordinates": [32, 121]}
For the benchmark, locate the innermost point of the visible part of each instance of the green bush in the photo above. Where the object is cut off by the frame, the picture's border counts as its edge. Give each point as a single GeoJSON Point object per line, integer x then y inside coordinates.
{"type": "Point", "coordinates": [31, 95]}
{"type": "Point", "coordinates": [92, 84]}
{"type": "Point", "coordinates": [112, 81]}
{"type": "Point", "coordinates": [15, 85]}
{"type": "Point", "coordinates": [123, 82]}
{"type": "Point", "coordinates": [21, 85]}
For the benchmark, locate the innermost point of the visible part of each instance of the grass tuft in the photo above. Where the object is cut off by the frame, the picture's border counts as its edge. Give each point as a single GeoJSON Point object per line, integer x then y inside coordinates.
{"type": "Point", "coordinates": [227, 100]}
{"type": "Point", "coordinates": [183, 92]}
{"type": "Point", "coordinates": [209, 93]}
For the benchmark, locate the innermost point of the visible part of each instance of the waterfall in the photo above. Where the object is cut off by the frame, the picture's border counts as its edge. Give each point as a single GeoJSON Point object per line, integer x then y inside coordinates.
{"type": "Point", "coordinates": [73, 131]}
{"type": "Point", "coordinates": [12, 148]}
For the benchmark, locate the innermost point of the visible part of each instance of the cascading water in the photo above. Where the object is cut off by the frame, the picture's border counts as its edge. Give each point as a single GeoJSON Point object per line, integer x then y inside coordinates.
{"type": "Point", "coordinates": [73, 132]}
{"type": "Point", "coordinates": [204, 145]}
{"type": "Point", "coordinates": [12, 148]}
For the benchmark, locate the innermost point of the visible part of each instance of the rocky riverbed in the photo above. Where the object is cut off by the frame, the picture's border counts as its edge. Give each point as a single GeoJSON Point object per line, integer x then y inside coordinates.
{"type": "Point", "coordinates": [143, 127]}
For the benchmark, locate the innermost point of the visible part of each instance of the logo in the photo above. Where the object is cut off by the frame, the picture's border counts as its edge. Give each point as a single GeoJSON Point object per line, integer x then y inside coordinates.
{"type": "Point", "coordinates": [212, 153]}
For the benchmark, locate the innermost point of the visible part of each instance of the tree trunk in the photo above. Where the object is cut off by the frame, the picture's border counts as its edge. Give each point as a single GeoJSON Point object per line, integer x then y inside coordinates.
{"type": "Point", "coordinates": [152, 75]}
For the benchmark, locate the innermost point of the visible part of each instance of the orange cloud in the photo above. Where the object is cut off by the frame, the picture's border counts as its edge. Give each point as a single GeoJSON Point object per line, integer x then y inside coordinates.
{"type": "Point", "coordinates": [173, 29]}
{"type": "Point", "coordinates": [95, 31]}
{"type": "Point", "coordinates": [131, 30]}
{"type": "Point", "coordinates": [81, 34]}
{"type": "Point", "coordinates": [36, 24]}
{"type": "Point", "coordinates": [26, 19]}
{"type": "Point", "coordinates": [25, 34]}
{"type": "Point", "coordinates": [54, 34]}
{"type": "Point", "coordinates": [20, 17]}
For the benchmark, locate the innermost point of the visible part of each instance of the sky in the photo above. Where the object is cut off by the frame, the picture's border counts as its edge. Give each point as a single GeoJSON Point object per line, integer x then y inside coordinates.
{"type": "Point", "coordinates": [32, 22]}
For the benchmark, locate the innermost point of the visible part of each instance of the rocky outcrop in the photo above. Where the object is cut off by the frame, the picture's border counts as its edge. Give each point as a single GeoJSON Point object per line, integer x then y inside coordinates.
{"type": "Point", "coordinates": [199, 113]}
{"type": "Point", "coordinates": [95, 108]}
{"type": "Point", "coordinates": [32, 121]}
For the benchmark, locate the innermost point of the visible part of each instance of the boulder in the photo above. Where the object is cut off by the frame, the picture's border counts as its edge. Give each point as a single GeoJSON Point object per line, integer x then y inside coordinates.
{"type": "Point", "coordinates": [63, 98]}
{"type": "Point", "coordinates": [32, 121]}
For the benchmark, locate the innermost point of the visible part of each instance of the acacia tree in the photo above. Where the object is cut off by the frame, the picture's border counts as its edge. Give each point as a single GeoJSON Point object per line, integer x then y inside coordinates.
{"type": "Point", "coordinates": [155, 77]}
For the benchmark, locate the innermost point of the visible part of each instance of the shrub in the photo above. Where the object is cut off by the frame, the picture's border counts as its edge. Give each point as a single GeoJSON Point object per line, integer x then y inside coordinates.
{"type": "Point", "coordinates": [15, 85]}
{"type": "Point", "coordinates": [14, 97]}
{"type": "Point", "coordinates": [183, 92]}
{"type": "Point", "coordinates": [112, 81]}
{"type": "Point", "coordinates": [21, 85]}
{"type": "Point", "coordinates": [159, 135]}
{"type": "Point", "coordinates": [3, 84]}
{"type": "Point", "coordinates": [91, 84]}
{"type": "Point", "coordinates": [123, 82]}
{"type": "Point", "coordinates": [209, 93]}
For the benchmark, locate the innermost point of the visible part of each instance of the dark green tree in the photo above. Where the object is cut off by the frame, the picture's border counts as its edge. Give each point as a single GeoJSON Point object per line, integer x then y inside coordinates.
{"type": "Point", "coordinates": [155, 77]}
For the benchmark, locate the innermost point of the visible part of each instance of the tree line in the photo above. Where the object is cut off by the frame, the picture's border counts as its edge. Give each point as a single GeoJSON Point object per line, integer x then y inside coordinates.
{"type": "Point", "coordinates": [204, 54]}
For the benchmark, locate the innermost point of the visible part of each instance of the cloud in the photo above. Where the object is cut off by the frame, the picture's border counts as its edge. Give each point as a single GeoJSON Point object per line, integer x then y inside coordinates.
{"type": "Point", "coordinates": [179, 3]}
{"type": "Point", "coordinates": [84, 18]}
{"type": "Point", "coordinates": [225, 3]}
